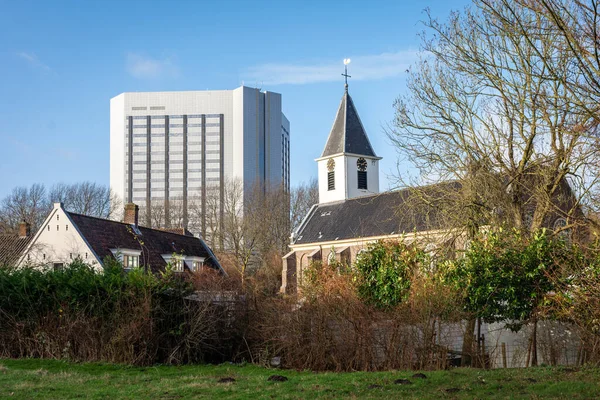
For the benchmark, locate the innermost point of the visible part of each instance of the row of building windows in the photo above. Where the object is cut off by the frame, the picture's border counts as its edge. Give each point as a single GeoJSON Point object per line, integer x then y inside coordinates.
{"type": "Point", "coordinates": [190, 116]}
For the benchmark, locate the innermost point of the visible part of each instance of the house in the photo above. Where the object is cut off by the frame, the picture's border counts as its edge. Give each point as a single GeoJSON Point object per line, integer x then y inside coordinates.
{"type": "Point", "coordinates": [353, 213]}
{"type": "Point", "coordinates": [65, 236]}
{"type": "Point", "coordinates": [13, 245]}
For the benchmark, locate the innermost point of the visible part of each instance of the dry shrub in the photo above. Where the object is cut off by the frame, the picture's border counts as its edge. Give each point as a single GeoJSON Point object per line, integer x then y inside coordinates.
{"type": "Point", "coordinates": [331, 328]}
{"type": "Point", "coordinates": [135, 318]}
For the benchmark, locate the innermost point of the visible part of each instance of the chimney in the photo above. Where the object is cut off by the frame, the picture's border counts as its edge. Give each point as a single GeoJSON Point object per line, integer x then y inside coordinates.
{"type": "Point", "coordinates": [24, 229]}
{"type": "Point", "coordinates": [131, 214]}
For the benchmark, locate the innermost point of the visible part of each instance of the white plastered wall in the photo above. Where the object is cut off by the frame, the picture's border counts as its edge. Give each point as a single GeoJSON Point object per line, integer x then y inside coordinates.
{"type": "Point", "coordinates": [372, 177]}
{"type": "Point", "coordinates": [339, 194]}
{"type": "Point", "coordinates": [58, 241]}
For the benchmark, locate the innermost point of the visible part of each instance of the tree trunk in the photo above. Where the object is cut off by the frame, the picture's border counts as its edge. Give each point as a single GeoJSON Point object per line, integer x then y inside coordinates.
{"type": "Point", "coordinates": [534, 360]}
{"type": "Point", "coordinates": [467, 347]}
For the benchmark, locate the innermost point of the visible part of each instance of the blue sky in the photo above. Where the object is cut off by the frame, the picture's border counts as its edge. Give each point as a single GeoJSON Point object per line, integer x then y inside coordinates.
{"type": "Point", "coordinates": [62, 61]}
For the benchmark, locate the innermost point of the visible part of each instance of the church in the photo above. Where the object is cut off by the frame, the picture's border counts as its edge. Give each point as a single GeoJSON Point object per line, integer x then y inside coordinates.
{"type": "Point", "coordinates": [351, 212]}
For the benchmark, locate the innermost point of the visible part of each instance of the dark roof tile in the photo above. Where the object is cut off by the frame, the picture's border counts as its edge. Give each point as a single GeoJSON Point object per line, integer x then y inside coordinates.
{"type": "Point", "coordinates": [348, 134]}
{"type": "Point", "coordinates": [375, 215]}
{"type": "Point", "coordinates": [104, 235]}
{"type": "Point", "coordinates": [11, 248]}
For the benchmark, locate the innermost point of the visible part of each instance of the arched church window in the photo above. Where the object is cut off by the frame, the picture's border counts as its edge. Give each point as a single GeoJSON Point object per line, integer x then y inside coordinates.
{"type": "Point", "coordinates": [558, 226]}
{"type": "Point", "coordinates": [331, 257]}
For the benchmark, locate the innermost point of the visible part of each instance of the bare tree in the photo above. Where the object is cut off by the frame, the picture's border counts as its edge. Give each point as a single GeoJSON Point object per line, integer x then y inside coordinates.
{"type": "Point", "coordinates": [33, 204]}
{"type": "Point", "coordinates": [88, 198]}
{"type": "Point", "coordinates": [302, 198]}
{"type": "Point", "coordinates": [24, 204]}
{"type": "Point", "coordinates": [486, 110]}
{"type": "Point", "coordinates": [496, 118]}
{"type": "Point", "coordinates": [239, 232]}
{"type": "Point", "coordinates": [576, 22]}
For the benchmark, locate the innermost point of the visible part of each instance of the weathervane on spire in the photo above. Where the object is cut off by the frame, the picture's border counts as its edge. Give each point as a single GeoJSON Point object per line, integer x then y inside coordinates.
{"type": "Point", "coordinates": [345, 74]}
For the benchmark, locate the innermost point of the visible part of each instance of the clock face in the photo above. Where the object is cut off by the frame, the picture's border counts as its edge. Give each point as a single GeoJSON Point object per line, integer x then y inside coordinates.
{"type": "Point", "coordinates": [330, 165]}
{"type": "Point", "coordinates": [361, 164]}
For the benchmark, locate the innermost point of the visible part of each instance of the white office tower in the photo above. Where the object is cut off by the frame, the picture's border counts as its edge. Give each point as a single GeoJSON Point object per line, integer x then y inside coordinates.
{"type": "Point", "coordinates": [174, 152]}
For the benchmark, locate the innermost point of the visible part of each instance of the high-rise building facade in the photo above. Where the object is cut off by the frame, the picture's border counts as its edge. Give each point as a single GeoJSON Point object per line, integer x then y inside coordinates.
{"type": "Point", "coordinates": [174, 151]}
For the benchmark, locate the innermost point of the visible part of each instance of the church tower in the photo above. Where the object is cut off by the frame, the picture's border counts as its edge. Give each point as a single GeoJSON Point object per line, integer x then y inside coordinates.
{"type": "Point", "coordinates": [348, 167]}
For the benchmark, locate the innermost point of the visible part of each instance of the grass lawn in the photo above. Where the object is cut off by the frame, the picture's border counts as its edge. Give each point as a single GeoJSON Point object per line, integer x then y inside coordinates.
{"type": "Point", "coordinates": [48, 379]}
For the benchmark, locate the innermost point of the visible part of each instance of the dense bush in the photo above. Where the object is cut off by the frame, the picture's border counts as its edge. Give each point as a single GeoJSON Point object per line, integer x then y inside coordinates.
{"type": "Point", "coordinates": [396, 308]}
{"type": "Point", "coordinates": [384, 272]}
{"type": "Point", "coordinates": [133, 317]}
{"type": "Point", "coordinates": [504, 276]}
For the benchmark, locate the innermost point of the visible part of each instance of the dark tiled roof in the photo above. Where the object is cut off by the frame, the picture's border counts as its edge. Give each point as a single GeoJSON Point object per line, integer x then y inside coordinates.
{"type": "Point", "coordinates": [375, 215]}
{"type": "Point", "coordinates": [103, 235]}
{"type": "Point", "coordinates": [11, 248]}
{"type": "Point", "coordinates": [348, 134]}
{"type": "Point", "coordinates": [179, 231]}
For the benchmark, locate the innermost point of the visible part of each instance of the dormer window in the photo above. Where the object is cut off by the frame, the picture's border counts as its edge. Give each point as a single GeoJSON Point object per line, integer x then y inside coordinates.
{"type": "Point", "coordinates": [131, 262]}
{"type": "Point", "coordinates": [130, 258]}
{"type": "Point", "coordinates": [175, 260]}
{"type": "Point", "coordinates": [178, 265]}
{"type": "Point", "coordinates": [195, 263]}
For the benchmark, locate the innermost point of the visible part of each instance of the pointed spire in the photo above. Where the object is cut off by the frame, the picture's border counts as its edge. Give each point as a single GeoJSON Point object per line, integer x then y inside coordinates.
{"type": "Point", "coordinates": [348, 134]}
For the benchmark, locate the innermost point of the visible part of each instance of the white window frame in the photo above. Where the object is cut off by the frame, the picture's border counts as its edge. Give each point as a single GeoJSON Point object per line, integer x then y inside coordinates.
{"type": "Point", "coordinates": [176, 260]}
{"type": "Point", "coordinates": [120, 254]}
{"type": "Point", "coordinates": [195, 264]}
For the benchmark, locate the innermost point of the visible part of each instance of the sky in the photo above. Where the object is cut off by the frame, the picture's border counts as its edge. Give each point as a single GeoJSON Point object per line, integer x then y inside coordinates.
{"type": "Point", "coordinates": [62, 61]}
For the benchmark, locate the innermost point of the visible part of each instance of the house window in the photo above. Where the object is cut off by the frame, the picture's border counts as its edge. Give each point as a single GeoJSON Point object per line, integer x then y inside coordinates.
{"type": "Point", "coordinates": [66, 227]}
{"type": "Point", "coordinates": [178, 265]}
{"type": "Point", "coordinates": [57, 227]}
{"type": "Point", "coordinates": [362, 179]}
{"type": "Point", "coordinates": [129, 261]}
{"type": "Point", "coordinates": [130, 258]}
{"type": "Point", "coordinates": [331, 180]}
{"type": "Point", "coordinates": [197, 265]}
{"type": "Point", "coordinates": [48, 227]}
{"type": "Point", "coordinates": [58, 266]}
{"type": "Point", "coordinates": [57, 215]}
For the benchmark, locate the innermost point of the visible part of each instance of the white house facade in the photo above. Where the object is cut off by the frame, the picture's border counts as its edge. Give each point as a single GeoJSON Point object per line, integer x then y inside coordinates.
{"type": "Point", "coordinates": [65, 237]}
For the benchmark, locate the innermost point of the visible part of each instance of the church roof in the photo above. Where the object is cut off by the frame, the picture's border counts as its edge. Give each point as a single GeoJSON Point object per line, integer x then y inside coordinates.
{"type": "Point", "coordinates": [380, 214]}
{"type": "Point", "coordinates": [348, 134]}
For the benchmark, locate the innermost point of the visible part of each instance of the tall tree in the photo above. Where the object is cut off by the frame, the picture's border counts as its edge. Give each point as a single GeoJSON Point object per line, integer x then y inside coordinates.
{"type": "Point", "coordinates": [485, 108]}
{"type": "Point", "coordinates": [88, 198]}
{"type": "Point", "coordinates": [302, 198]}
{"type": "Point", "coordinates": [24, 204]}
{"type": "Point", "coordinates": [33, 204]}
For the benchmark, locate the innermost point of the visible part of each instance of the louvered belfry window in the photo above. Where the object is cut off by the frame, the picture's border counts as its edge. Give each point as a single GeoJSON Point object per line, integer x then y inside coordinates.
{"type": "Point", "coordinates": [330, 180]}
{"type": "Point", "coordinates": [362, 179]}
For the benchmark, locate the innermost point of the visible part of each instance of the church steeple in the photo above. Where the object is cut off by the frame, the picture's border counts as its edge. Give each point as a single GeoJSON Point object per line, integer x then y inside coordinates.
{"type": "Point", "coordinates": [348, 166]}
{"type": "Point", "coordinates": [347, 134]}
